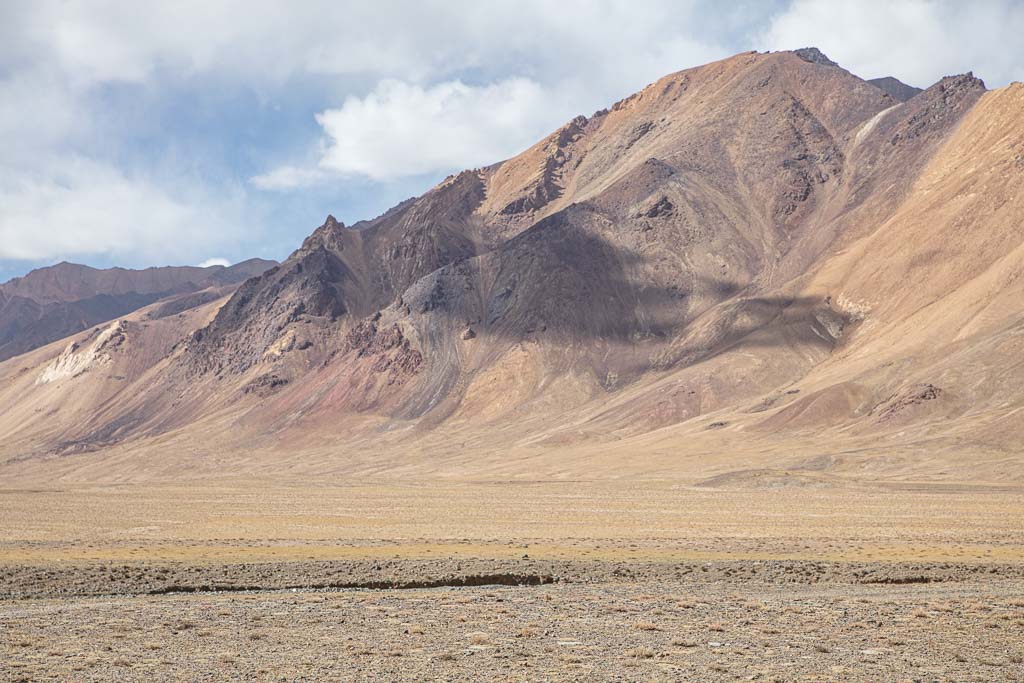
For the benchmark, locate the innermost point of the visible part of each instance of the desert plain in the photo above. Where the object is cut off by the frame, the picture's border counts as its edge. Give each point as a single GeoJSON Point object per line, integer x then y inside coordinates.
{"type": "Point", "coordinates": [642, 580]}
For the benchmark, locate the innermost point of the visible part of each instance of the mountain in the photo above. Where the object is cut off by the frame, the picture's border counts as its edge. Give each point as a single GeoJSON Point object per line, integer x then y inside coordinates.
{"type": "Point", "coordinates": [895, 88]}
{"type": "Point", "coordinates": [765, 262]}
{"type": "Point", "coordinates": [57, 301]}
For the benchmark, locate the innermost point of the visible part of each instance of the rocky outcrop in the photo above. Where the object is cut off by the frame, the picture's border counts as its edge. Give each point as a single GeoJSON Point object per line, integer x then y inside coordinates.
{"type": "Point", "coordinates": [80, 357]}
{"type": "Point", "coordinates": [944, 102]}
{"type": "Point", "coordinates": [314, 283]}
{"type": "Point", "coordinates": [814, 56]}
{"type": "Point", "coordinates": [905, 399]}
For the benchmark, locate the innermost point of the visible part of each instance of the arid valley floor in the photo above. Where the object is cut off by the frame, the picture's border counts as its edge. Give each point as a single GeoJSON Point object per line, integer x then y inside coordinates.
{"type": "Point", "coordinates": [578, 580]}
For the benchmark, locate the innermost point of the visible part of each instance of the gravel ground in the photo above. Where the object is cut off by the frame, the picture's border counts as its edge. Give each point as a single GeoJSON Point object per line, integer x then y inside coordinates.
{"type": "Point", "coordinates": [718, 621]}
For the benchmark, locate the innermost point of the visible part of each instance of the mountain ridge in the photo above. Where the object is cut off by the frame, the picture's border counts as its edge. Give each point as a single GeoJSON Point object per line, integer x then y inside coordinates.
{"type": "Point", "coordinates": [719, 260]}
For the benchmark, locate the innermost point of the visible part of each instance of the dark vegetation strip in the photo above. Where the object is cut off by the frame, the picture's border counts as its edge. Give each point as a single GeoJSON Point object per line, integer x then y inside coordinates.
{"type": "Point", "coordinates": [449, 582]}
{"type": "Point", "coordinates": [905, 579]}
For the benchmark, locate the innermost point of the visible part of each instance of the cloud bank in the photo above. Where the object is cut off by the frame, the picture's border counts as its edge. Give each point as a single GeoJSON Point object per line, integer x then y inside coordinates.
{"type": "Point", "coordinates": [74, 206]}
{"type": "Point", "coordinates": [143, 132]}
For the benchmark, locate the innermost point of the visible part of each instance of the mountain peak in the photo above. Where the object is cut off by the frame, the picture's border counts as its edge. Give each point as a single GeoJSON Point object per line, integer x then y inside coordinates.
{"type": "Point", "coordinates": [814, 56]}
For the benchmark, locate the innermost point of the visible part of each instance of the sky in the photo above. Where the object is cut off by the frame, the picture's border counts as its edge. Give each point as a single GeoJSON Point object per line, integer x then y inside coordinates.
{"type": "Point", "coordinates": [188, 132]}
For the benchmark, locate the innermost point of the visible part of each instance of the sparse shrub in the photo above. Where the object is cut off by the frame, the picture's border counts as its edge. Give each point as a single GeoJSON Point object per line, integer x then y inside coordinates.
{"type": "Point", "coordinates": [479, 638]}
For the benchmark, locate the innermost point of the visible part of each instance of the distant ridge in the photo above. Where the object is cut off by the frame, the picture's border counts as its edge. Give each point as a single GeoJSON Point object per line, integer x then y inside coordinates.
{"type": "Point", "coordinates": [895, 87]}
{"type": "Point", "coordinates": [57, 301]}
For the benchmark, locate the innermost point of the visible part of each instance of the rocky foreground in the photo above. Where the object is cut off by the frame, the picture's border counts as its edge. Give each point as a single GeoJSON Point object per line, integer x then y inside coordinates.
{"type": "Point", "coordinates": [560, 621]}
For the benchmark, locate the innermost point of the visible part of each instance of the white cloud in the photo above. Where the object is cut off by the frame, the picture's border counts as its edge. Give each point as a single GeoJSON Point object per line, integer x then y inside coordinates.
{"type": "Point", "coordinates": [918, 41]}
{"type": "Point", "coordinates": [108, 40]}
{"type": "Point", "coordinates": [402, 129]}
{"type": "Point", "coordinates": [76, 206]}
{"type": "Point", "coordinates": [289, 178]}
{"type": "Point", "coordinates": [215, 261]}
